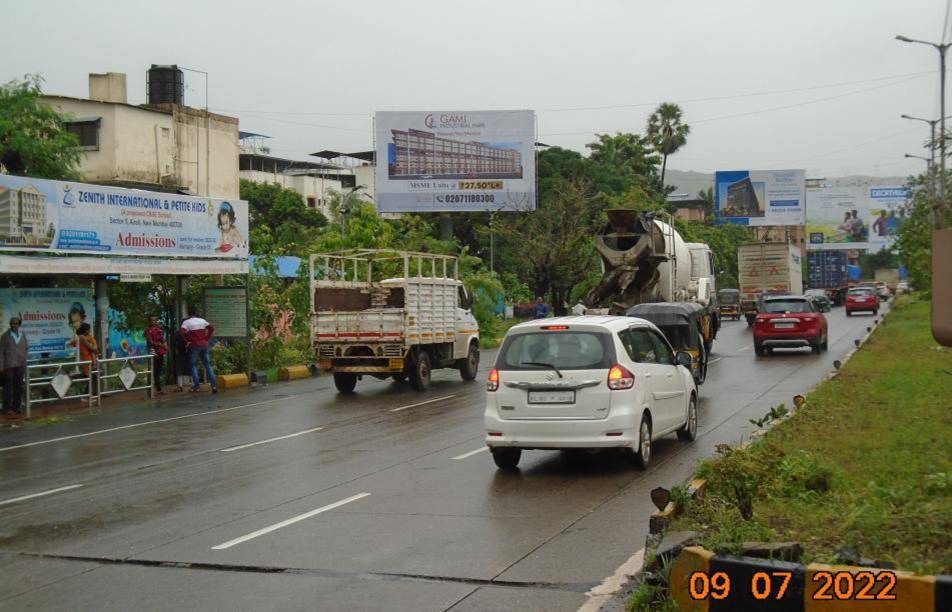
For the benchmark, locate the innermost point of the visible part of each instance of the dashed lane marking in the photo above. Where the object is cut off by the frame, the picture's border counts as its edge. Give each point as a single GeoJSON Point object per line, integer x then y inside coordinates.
{"type": "Point", "coordinates": [290, 521]}
{"type": "Point", "coordinates": [437, 399]}
{"type": "Point", "coordinates": [250, 444]}
{"type": "Point", "coordinates": [14, 500]}
{"type": "Point", "coordinates": [471, 453]}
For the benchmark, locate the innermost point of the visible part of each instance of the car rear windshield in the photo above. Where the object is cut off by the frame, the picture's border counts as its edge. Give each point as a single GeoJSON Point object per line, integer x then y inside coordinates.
{"type": "Point", "coordinates": [775, 306]}
{"type": "Point", "coordinates": [859, 291]}
{"type": "Point", "coordinates": [566, 350]}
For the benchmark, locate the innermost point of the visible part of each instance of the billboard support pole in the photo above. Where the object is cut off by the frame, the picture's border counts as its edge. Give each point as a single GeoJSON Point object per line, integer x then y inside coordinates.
{"type": "Point", "coordinates": [102, 314]}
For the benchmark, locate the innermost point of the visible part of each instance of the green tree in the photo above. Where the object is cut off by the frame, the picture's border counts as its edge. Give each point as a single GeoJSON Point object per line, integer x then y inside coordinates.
{"type": "Point", "coordinates": [554, 243]}
{"type": "Point", "coordinates": [914, 239]}
{"type": "Point", "coordinates": [618, 163]}
{"type": "Point", "coordinates": [33, 141]}
{"type": "Point", "coordinates": [666, 132]}
{"type": "Point", "coordinates": [707, 196]}
{"type": "Point", "coordinates": [281, 223]}
{"type": "Point", "coordinates": [723, 241]}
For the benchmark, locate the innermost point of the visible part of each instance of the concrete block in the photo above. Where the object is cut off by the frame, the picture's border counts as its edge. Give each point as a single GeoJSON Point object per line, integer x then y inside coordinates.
{"type": "Point", "coordinates": [294, 372]}
{"type": "Point", "coordinates": [232, 381]}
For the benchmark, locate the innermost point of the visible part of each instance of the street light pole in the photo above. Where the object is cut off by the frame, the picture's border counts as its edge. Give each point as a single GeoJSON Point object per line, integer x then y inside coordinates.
{"type": "Point", "coordinates": [941, 48]}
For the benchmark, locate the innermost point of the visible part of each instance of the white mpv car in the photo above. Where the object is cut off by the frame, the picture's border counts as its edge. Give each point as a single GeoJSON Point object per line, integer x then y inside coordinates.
{"type": "Point", "coordinates": [587, 382]}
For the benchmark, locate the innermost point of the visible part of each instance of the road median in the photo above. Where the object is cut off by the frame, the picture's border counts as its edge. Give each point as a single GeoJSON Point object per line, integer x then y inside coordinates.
{"type": "Point", "coordinates": [860, 475]}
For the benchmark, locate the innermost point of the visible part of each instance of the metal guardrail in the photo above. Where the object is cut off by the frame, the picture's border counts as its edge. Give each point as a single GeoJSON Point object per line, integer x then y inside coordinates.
{"type": "Point", "coordinates": [57, 381]}
{"type": "Point", "coordinates": [123, 371]}
{"type": "Point", "coordinates": [52, 382]}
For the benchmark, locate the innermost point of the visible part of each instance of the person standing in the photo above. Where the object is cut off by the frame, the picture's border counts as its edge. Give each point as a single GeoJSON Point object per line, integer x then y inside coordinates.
{"type": "Point", "coordinates": [13, 355]}
{"type": "Point", "coordinates": [158, 348]}
{"type": "Point", "coordinates": [540, 310]}
{"type": "Point", "coordinates": [196, 332]}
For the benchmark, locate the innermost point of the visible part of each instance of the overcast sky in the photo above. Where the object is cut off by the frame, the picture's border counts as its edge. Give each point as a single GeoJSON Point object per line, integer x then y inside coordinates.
{"type": "Point", "coordinates": [311, 73]}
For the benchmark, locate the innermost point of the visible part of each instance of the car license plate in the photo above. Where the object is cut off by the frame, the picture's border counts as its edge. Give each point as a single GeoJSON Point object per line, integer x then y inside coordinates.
{"type": "Point", "coordinates": [551, 397]}
{"type": "Point", "coordinates": [783, 325]}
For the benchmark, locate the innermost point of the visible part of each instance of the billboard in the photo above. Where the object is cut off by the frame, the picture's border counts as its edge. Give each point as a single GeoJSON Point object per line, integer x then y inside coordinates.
{"type": "Point", "coordinates": [40, 215]}
{"type": "Point", "coordinates": [865, 218]}
{"type": "Point", "coordinates": [49, 316]}
{"type": "Point", "coordinates": [455, 161]}
{"type": "Point", "coordinates": [760, 197]}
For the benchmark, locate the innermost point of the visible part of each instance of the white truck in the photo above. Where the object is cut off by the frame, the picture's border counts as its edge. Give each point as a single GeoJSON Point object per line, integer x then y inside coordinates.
{"type": "Point", "coordinates": [765, 268]}
{"type": "Point", "coordinates": [388, 313]}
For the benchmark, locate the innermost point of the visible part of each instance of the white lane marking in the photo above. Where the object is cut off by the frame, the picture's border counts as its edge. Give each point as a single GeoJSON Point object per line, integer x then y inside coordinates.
{"type": "Point", "coordinates": [743, 348]}
{"type": "Point", "coordinates": [121, 427]}
{"type": "Point", "coordinates": [290, 521]}
{"type": "Point", "coordinates": [438, 399]}
{"type": "Point", "coordinates": [471, 453]}
{"type": "Point", "coordinates": [715, 360]}
{"type": "Point", "coordinates": [250, 444]}
{"type": "Point", "coordinates": [14, 500]}
{"type": "Point", "coordinates": [614, 583]}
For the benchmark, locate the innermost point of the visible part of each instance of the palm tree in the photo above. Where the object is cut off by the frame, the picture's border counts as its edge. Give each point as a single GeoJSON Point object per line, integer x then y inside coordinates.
{"type": "Point", "coordinates": [707, 196]}
{"type": "Point", "coordinates": [666, 132]}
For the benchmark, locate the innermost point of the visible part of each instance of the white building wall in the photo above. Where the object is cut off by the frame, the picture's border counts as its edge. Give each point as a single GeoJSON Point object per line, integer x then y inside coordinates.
{"type": "Point", "coordinates": [316, 187]}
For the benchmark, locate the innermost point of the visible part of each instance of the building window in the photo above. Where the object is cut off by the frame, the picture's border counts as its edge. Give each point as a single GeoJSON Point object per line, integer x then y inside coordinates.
{"type": "Point", "coordinates": [87, 132]}
{"type": "Point", "coordinates": [311, 202]}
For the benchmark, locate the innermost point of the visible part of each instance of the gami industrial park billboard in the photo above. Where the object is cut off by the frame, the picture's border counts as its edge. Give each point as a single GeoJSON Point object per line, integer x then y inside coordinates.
{"type": "Point", "coordinates": [760, 197]}
{"type": "Point", "coordinates": [44, 216]}
{"type": "Point", "coordinates": [441, 161]}
{"type": "Point", "coordinates": [865, 218]}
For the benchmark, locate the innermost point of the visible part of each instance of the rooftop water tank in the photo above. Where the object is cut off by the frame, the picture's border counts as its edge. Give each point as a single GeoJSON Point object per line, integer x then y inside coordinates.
{"type": "Point", "coordinates": [165, 85]}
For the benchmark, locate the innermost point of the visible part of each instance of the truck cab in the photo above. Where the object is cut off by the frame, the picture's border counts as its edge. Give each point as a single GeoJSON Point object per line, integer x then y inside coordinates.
{"type": "Point", "coordinates": [391, 314]}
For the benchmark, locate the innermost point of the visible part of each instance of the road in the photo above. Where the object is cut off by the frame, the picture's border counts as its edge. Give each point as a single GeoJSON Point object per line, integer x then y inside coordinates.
{"type": "Point", "coordinates": [294, 497]}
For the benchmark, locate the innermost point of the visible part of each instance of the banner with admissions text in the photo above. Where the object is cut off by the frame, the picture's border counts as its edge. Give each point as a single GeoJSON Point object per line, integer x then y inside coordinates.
{"type": "Point", "coordinates": [38, 215]}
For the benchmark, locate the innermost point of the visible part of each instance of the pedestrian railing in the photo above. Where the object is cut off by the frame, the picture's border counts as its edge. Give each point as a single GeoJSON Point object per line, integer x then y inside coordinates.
{"type": "Point", "coordinates": [84, 380]}
{"type": "Point", "coordinates": [120, 374]}
{"type": "Point", "coordinates": [52, 382]}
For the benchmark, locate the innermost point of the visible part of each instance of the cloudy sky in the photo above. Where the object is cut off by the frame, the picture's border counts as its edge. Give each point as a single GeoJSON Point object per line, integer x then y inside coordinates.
{"type": "Point", "coordinates": [815, 84]}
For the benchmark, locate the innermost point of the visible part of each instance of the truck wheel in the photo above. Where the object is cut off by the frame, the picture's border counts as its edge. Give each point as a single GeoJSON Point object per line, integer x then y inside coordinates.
{"type": "Point", "coordinates": [345, 381]}
{"type": "Point", "coordinates": [470, 365]}
{"type": "Point", "coordinates": [420, 376]}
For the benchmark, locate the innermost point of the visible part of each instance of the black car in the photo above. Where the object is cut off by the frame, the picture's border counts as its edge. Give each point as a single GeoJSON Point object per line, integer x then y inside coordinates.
{"type": "Point", "coordinates": [819, 297]}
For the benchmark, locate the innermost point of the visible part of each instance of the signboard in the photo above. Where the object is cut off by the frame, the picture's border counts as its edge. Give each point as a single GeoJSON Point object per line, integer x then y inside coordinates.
{"type": "Point", "coordinates": [226, 309]}
{"type": "Point", "coordinates": [54, 264]}
{"type": "Point", "coordinates": [49, 316]}
{"type": "Point", "coordinates": [65, 217]}
{"type": "Point", "coordinates": [135, 277]}
{"type": "Point", "coordinates": [760, 197]}
{"type": "Point", "coordinates": [455, 161]}
{"type": "Point", "coordinates": [866, 218]}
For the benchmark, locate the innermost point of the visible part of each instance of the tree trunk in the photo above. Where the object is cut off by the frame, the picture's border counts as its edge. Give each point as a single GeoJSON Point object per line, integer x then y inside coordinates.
{"type": "Point", "coordinates": [664, 165]}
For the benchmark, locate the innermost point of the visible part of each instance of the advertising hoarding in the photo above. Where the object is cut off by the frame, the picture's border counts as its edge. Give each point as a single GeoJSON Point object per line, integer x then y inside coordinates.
{"type": "Point", "coordinates": [455, 161]}
{"type": "Point", "coordinates": [46, 216]}
{"type": "Point", "coordinates": [49, 317]}
{"type": "Point", "coordinates": [760, 197]}
{"type": "Point", "coordinates": [864, 218]}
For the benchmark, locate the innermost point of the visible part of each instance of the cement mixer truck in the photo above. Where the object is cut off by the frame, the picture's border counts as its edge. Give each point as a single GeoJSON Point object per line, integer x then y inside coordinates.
{"type": "Point", "coordinates": [645, 260]}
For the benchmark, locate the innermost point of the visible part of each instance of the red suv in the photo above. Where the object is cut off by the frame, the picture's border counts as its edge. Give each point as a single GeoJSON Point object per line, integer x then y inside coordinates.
{"type": "Point", "coordinates": [789, 321]}
{"type": "Point", "coordinates": [861, 298]}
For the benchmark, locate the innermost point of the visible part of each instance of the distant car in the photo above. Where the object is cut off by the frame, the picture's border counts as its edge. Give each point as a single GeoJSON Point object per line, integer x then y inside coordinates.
{"type": "Point", "coordinates": [883, 292]}
{"type": "Point", "coordinates": [861, 299]}
{"type": "Point", "coordinates": [589, 382]}
{"type": "Point", "coordinates": [789, 321]}
{"type": "Point", "coordinates": [820, 298]}
{"type": "Point", "coordinates": [902, 287]}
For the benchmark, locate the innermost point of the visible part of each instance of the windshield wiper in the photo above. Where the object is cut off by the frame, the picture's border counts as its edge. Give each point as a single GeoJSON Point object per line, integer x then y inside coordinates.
{"type": "Point", "coordinates": [547, 365]}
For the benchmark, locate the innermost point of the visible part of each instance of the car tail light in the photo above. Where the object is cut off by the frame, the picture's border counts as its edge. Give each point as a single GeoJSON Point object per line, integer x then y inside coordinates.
{"type": "Point", "coordinates": [554, 327]}
{"type": "Point", "coordinates": [809, 319]}
{"type": "Point", "coordinates": [492, 383]}
{"type": "Point", "coordinates": [620, 378]}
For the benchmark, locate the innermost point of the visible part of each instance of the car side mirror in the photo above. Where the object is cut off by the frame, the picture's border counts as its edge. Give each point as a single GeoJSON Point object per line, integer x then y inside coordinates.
{"type": "Point", "coordinates": [684, 358]}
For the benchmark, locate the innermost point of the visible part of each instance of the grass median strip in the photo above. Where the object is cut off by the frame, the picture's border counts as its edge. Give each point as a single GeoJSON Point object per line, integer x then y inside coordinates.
{"type": "Point", "coordinates": [865, 464]}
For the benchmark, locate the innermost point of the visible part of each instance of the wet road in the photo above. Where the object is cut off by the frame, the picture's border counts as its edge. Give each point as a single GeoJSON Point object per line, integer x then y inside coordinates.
{"type": "Point", "coordinates": [293, 497]}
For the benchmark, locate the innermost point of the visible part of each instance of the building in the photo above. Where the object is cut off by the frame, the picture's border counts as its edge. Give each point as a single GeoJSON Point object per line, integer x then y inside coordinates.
{"type": "Point", "coordinates": [688, 207]}
{"type": "Point", "coordinates": [418, 154]}
{"type": "Point", "coordinates": [23, 217]}
{"type": "Point", "coordinates": [162, 145]}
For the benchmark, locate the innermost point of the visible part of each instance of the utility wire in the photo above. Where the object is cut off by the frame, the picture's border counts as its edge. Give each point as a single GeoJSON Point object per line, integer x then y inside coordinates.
{"type": "Point", "coordinates": [619, 106]}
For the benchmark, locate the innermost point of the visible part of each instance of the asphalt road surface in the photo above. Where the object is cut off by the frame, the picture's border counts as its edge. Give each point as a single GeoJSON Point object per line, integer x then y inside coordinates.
{"type": "Point", "coordinates": [294, 497]}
